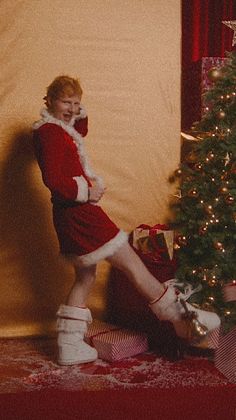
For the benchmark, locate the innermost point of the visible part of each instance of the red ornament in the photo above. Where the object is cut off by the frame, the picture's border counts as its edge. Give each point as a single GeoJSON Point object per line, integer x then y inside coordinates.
{"type": "Point", "coordinates": [203, 230]}
{"type": "Point", "coordinates": [193, 193]}
{"type": "Point", "coordinates": [229, 199]}
{"type": "Point", "coordinates": [218, 245]}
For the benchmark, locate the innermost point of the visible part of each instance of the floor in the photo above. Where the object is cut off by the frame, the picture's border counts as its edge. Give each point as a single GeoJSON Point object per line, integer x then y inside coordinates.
{"type": "Point", "coordinates": [28, 364]}
{"type": "Point", "coordinates": [148, 386]}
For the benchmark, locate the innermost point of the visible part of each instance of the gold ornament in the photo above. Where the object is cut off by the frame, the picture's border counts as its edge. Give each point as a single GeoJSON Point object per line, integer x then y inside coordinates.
{"type": "Point", "coordinates": [191, 157]}
{"type": "Point", "coordinates": [224, 190]}
{"type": "Point", "coordinates": [212, 282]}
{"type": "Point", "coordinates": [208, 209]}
{"type": "Point", "coordinates": [218, 245]}
{"type": "Point", "coordinates": [221, 114]}
{"type": "Point", "coordinates": [214, 74]}
{"type": "Point", "coordinates": [178, 172]}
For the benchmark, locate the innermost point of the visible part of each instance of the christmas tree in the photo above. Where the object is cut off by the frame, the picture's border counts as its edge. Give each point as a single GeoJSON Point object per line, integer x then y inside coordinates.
{"type": "Point", "coordinates": [205, 212]}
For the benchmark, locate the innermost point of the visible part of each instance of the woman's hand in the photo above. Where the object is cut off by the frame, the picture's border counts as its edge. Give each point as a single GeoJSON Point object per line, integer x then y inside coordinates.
{"type": "Point", "coordinates": [95, 193]}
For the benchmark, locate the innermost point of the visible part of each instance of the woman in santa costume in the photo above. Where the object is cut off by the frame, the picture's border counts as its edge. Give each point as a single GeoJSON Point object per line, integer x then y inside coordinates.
{"type": "Point", "coordinates": [85, 233]}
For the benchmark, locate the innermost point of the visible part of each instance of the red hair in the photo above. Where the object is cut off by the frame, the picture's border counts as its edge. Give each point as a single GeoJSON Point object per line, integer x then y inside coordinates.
{"type": "Point", "coordinates": [63, 85]}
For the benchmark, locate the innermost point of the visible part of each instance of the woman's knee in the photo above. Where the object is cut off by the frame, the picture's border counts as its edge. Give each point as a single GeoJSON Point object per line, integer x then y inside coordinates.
{"type": "Point", "coordinates": [85, 274]}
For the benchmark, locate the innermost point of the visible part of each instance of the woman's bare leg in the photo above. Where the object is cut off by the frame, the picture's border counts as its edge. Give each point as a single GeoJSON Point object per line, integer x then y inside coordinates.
{"type": "Point", "coordinates": [126, 260]}
{"type": "Point", "coordinates": [84, 281]}
{"type": "Point", "coordinates": [163, 301]}
{"type": "Point", "coordinates": [73, 320]}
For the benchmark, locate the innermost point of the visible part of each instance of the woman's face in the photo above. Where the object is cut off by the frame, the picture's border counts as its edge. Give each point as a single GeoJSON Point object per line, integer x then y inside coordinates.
{"type": "Point", "coordinates": [65, 107]}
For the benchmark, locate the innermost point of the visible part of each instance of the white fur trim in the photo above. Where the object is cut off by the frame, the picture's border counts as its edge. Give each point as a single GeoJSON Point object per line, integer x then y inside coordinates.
{"type": "Point", "coordinates": [105, 251]}
{"type": "Point", "coordinates": [82, 196]}
{"type": "Point", "coordinates": [82, 114]}
{"type": "Point", "coordinates": [47, 118]}
{"type": "Point", "coordinates": [73, 312]}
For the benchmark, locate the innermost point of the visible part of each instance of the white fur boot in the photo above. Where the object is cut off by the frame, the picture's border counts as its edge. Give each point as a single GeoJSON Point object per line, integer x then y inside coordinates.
{"type": "Point", "coordinates": [190, 323]}
{"type": "Point", "coordinates": [72, 326]}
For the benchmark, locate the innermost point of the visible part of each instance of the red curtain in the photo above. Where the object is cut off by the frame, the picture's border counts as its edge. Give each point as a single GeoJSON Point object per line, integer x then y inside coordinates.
{"type": "Point", "coordinates": [203, 35]}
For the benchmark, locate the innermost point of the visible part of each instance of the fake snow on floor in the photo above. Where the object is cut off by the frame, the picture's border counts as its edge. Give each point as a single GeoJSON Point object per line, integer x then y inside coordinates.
{"type": "Point", "coordinates": [29, 364]}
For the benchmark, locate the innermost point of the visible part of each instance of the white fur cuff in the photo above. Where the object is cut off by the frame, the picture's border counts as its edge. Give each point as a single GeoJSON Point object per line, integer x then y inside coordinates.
{"type": "Point", "coordinates": [105, 251]}
{"type": "Point", "coordinates": [82, 195]}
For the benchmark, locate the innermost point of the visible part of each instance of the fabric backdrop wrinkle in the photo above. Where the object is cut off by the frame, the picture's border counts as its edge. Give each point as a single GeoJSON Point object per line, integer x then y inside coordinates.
{"type": "Point", "coordinates": [127, 56]}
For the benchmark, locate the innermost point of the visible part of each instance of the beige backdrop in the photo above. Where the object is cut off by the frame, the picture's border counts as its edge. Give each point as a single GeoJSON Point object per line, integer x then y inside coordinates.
{"type": "Point", "coordinates": [127, 55]}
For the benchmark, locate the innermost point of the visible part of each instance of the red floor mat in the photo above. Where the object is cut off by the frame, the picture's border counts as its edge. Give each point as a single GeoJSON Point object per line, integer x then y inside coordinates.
{"type": "Point", "coordinates": [34, 387]}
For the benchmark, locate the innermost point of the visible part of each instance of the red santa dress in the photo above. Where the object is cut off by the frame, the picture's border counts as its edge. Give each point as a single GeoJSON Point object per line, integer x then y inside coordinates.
{"type": "Point", "coordinates": [85, 233]}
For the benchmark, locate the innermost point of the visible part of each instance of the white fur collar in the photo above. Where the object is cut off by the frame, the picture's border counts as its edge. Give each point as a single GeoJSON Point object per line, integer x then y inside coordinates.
{"type": "Point", "coordinates": [47, 118]}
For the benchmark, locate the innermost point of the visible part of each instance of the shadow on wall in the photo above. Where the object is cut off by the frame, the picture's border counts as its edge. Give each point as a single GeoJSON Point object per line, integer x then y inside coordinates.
{"type": "Point", "coordinates": [35, 275]}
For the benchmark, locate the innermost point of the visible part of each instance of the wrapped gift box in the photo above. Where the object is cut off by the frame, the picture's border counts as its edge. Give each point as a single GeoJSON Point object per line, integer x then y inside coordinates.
{"type": "Point", "coordinates": [115, 343]}
{"type": "Point", "coordinates": [195, 82]}
{"type": "Point", "coordinates": [229, 291]}
{"type": "Point", "coordinates": [225, 356]}
{"type": "Point", "coordinates": [207, 63]}
{"type": "Point", "coordinates": [154, 239]}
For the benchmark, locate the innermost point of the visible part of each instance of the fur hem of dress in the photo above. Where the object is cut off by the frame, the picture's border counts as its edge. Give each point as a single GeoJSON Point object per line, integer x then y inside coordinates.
{"type": "Point", "coordinates": [105, 251]}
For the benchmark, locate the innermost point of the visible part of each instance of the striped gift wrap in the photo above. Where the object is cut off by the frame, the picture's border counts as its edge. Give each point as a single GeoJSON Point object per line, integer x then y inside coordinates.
{"type": "Point", "coordinates": [225, 355]}
{"type": "Point", "coordinates": [115, 343]}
